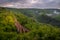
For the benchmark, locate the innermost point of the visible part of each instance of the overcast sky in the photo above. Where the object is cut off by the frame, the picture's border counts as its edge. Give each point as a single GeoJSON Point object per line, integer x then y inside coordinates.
{"type": "Point", "coordinates": [30, 3]}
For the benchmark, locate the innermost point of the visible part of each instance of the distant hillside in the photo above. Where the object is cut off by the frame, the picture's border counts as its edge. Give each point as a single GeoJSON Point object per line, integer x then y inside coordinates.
{"type": "Point", "coordinates": [51, 16]}
{"type": "Point", "coordinates": [16, 25]}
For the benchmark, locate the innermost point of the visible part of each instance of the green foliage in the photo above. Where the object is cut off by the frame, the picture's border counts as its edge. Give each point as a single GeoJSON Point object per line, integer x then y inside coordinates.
{"type": "Point", "coordinates": [38, 31]}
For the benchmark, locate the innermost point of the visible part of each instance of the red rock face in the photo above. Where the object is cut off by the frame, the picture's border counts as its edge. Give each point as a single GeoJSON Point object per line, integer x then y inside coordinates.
{"type": "Point", "coordinates": [19, 27]}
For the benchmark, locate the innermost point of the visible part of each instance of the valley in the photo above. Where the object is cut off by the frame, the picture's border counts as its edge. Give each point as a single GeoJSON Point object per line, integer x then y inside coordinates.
{"type": "Point", "coordinates": [29, 24]}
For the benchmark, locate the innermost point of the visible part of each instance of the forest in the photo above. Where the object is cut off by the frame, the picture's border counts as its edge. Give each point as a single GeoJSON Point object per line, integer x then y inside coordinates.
{"type": "Point", "coordinates": [29, 24]}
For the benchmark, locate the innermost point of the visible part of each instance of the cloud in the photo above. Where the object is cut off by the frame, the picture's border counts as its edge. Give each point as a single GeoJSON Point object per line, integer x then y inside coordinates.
{"type": "Point", "coordinates": [30, 3]}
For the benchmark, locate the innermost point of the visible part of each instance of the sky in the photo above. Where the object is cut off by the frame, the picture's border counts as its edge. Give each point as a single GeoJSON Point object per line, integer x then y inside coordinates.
{"type": "Point", "coordinates": [30, 3]}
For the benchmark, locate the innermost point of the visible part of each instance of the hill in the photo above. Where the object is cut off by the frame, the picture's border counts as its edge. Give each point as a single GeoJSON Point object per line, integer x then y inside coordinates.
{"type": "Point", "coordinates": [48, 16]}
{"type": "Point", "coordinates": [14, 25]}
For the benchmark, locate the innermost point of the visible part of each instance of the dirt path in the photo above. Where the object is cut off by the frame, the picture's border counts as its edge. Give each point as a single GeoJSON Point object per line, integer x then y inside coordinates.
{"type": "Point", "coordinates": [19, 27]}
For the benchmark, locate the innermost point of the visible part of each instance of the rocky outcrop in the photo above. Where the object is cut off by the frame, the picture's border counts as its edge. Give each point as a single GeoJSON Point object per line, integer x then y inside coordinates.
{"type": "Point", "coordinates": [20, 28]}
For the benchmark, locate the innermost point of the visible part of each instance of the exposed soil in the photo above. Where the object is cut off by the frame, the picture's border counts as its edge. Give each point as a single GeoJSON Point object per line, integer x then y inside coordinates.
{"type": "Point", "coordinates": [20, 28]}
